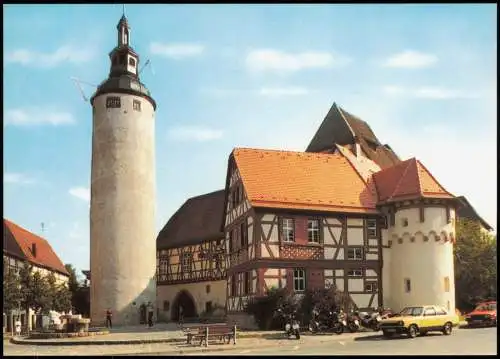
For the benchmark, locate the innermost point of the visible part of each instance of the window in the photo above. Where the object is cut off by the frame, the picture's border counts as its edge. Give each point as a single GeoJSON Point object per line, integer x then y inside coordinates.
{"type": "Point", "coordinates": [131, 61]}
{"type": "Point", "coordinates": [429, 311]}
{"type": "Point", "coordinates": [313, 230]}
{"type": "Point", "coordinates": [288, 230]}
{"type": "Point", "coordinates": [207, 288]}
{"type": "Point", "coordinates": [392, 218]}
{"type": "Point", "coordinates": [407, 285]}
{"type": "Point", "coordinates": [166, 305]}
{"type": "Point", "coordinates": [299, 280]}
{"type": "Point", "coordinates": [187, 258]}
{"type": "Point", "coordinates": [371, 227]}
{"type": "Point", "coordinates": [446, 284]}
{"type": "Point", "coordinates": [404, 222]}
{"type": "Point", "coordinates": [244, 234]}
{"type": "Point", "coordinates": [421, 212]}
{"type": "Point", "coordinates": [163, 265]}
{"type": "Point", "coordinates": [230, 241]}
{"type": "Point", "coordinates": [355, 273]}
{"type": "Point", "coordinates": [355, 253]}
{"type": "Point", "coordinates": [370, 287]}
{"type": "Point", "coordinates": [441, 311]}
{"type": "Point", "coordinates": [113, 102]}
{"type": "Point", "coordinates": [208, 307]}
{"type": "Point", "coordinates": [137, 105]}
{"type": "Point", "coordinates": [234, 286]}
{"type": "Point", "coordinates": [246, 284]}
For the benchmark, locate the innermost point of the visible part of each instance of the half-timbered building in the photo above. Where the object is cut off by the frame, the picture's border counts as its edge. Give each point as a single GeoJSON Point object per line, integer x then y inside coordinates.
{"type": "Point", "coordinates": [191, 259]}
{"type": "Point", "coordinates": [21, 246]}
{"type": "Point", "coordinates": [346, 213]}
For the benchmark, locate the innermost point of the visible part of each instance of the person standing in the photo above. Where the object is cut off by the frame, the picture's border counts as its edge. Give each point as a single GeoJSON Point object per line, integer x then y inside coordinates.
{"type": "Point", "coordinates": [150, 314]}
{"type": "Point", "coordinates": [109, 314]}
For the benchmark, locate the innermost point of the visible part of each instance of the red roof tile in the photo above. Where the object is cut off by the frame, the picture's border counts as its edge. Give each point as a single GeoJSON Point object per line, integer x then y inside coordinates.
{"type": "Point", "coordinates": [45, 256]}
{"type": "Point", "coordinates": [407, 180]}
{"type": "Point", "coordinates": [299, 180]}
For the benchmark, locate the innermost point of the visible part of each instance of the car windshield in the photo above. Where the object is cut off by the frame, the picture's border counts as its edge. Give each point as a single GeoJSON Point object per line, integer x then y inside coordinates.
{"type": "Point", "coordinates": [411, 311]}
{"type": "Point", "coordinates": [486, 307]}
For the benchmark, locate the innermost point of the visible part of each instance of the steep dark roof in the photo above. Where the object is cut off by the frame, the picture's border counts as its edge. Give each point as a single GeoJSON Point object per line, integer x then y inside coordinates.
{"type": "Point", "coordinates": [197, 220]}
{"type": "Point", "coordinates": [343, 128]}
{"type": "Point", "coordinates": [467, 211]}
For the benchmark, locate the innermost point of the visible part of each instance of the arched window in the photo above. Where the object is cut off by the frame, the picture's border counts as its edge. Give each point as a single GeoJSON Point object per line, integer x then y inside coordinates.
{"type": "Point", "coordinates": [131, 61]}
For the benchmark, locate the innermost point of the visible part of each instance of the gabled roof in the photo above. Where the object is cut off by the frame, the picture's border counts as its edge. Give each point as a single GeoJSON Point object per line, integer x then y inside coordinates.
{"type": "Point", "coordinates": [301, 180]}
{"type": "Point", "coordinates": [343, 128]}
{"type": "Point", "coordinates": [24, 240]}
{"type": "Point", "coordinates": [197, 220]}
{"type": "Point", "coordinates": [467, 211]}
{"type": "Point", "coordinates": [407, 180]}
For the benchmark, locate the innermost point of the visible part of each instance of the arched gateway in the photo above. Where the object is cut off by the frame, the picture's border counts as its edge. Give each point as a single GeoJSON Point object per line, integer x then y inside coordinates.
{"type": "Point", "coordinates": [183, 304]}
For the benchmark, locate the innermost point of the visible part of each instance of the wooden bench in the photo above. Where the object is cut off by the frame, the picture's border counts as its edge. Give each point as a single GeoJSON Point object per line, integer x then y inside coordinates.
{"type": "Point", "coordinates": [206, 332]}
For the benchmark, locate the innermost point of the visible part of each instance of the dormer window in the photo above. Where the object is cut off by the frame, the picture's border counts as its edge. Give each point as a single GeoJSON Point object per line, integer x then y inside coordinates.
{"type": "Point", "coordinates": [33, 249]}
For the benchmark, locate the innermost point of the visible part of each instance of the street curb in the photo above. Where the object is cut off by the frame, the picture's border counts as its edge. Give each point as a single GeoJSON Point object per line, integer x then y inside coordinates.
{"type": "Point", "coordinates": [231, 347]}
{"type": "Point", "coordinates": [48, 342]}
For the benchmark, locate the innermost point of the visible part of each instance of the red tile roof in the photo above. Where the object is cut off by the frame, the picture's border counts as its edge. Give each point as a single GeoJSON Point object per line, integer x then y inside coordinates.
{"type": "Point", "coordinates": [45, 256]}
{"type": "Point", "coordinates": [407, 180]}
{"type": "Point", "coordinates": [301, 180]}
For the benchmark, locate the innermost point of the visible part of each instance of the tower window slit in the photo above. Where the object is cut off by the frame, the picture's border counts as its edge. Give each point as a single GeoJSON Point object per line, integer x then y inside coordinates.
{"type": "Point", "coordinates": [113, 102]}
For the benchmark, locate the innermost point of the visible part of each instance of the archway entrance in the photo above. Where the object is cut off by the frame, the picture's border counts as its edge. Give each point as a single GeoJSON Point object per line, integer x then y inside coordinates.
{"type": "Point", "coordinates": [183, 306]}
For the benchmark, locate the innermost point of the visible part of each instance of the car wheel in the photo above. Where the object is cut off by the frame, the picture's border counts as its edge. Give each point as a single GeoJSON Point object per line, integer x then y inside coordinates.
{"type": "Point", "coordinates": [447, 328]}
{"type": "Point", "coordinates": [412, 331]}
{"type": "Point", "coordinates": [387, 334]}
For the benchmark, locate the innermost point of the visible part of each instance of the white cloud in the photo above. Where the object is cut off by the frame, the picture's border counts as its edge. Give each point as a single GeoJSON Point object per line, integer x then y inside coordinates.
{"type": "Point", "coordinates": [283, 91]}
{"type": "Point", "coordinates": [36, 116]}
{"type": "Point", "coordinates": [17, 178]}
{"type": "Point", "coordinates": [410, 59]}
{"type": "Point", "coordinates": [82, 193]}
{"type": "Point", "coordinates": [67, 53]}
{"type": "Point", "coordinates": [428, 92]}
{"type": "Point", "coordinates": [195, 133]}
{"type": "Point", "coordinates": [276, 60]}
{"type": "Point", "coordinates": [176, 50]}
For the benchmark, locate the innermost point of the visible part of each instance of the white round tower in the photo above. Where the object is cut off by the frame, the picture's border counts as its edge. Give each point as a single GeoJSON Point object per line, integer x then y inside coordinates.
{"type": "Point", "coordinates": [418, 258]}
{"type": "Point", "coordinates": [122, 202]}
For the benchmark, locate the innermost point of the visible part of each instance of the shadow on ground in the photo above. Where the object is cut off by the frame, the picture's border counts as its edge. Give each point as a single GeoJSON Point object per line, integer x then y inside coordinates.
{"type": "Point", "coordinates": [377, 337]}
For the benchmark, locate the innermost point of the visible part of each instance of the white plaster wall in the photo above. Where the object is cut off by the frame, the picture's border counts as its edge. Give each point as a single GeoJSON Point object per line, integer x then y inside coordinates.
{"type": "Point", "coordinates": [122, 210]}
{"type": "Point", "coordinates": [329, 273]}
{"type": "Point", "coordinates": [339, 283]}
{"type": "Point", "coordinates": [341, 254]}
{"type": "Point", "coordinates": [198, 290]}
{"type": "Point", "coordinates": [426, 264]}
{"type": "Point", "coordinates": [268, 217]}
{"type": "Point", "coordinates": [370, 256]}
{"type": "Point", "coordinates": [355, 236]}
{"type": "Point", "coordinates": [354, 221]}
{"type": "Point", "coordinates": [339, 272]}
{"type": "Point", "coordinates": [362, 300]}
{"type": "Point", "coordinates": [355, 285]}
{"type": "Point", "coordinates": [333, 221]}
{"type": "Point", "coordinates": [329, 252]}
{"type": "Point", "coordinates": [370, 273]}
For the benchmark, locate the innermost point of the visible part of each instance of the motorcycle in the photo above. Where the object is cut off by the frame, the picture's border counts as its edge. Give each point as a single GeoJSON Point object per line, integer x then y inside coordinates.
{"type": "Point", "coordinates": [292, 326]}
{"type": "Point", "coordinates": [337, 322]}
{"type": "Point", "coordinates": [317, 323]}
{"type": "Point", "coordinates": [353, 324]}
{"type": "Point", "coordinates": [370, 320]}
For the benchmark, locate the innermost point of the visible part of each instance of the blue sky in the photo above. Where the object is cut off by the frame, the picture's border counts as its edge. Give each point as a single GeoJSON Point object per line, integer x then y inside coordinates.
{"type": "Point", "coordinates": [223, 76]}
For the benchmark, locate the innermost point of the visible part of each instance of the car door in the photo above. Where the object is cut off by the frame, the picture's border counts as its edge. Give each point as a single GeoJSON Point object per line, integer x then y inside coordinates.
{"type": "Point", "coordinates": [431, 320]}
{"type": "Point", "coordinates": [443, 316]}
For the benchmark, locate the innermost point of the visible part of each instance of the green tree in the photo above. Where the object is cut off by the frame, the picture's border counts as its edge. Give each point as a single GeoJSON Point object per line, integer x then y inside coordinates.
{"type": "Point", "coordinates": [80, 293]}
{"type": "Point", "coordinates": [475, 265]}
{"type": "Point", "coordinates": [40, 296]}
{"type": "Point", "coordinates": [60, 295]}
{"type": "Point", "coordinates": [12, 294]}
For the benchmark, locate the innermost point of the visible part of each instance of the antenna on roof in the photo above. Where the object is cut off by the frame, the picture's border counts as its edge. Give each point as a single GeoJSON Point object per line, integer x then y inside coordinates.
{"type": "Point", "coordinates": [147, 63]}
{"type": "Point", "coordinates": [43, 227]}
{"type": "Point", "coordinates": [79, 83]}
{"type": "Point", "coordinates": [123, 9]}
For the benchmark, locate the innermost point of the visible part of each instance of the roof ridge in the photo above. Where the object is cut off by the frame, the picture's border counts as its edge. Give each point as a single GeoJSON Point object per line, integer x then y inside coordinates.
{"type": "Point", "coordinates": [341, 111]}
{"type": "Point", "coordinates": [400, 179]}
{"type": "Point", "coordinates": [419, 179]}
{"type": "Point", "coordinates": [309, 154]}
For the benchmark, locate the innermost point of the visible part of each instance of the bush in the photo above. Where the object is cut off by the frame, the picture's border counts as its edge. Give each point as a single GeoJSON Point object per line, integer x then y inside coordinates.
{"type": "Point", "coordinates": [263, 309]}
{"type": "Point", "coordinates": [324, 300]}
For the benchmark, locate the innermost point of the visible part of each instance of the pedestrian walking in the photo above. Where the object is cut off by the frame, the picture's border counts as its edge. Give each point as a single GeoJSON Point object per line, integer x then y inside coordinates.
{"type": "Point", "coordinates": [150, 314]}
{"type": "Point", "coordinates": [109, 314]}
{"type": "Point", "coordinates": [17, 324]}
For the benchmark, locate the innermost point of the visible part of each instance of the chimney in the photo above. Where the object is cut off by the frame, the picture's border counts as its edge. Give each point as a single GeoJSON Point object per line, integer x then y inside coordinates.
{"type": "Point", "coordinates": [33, 249]}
